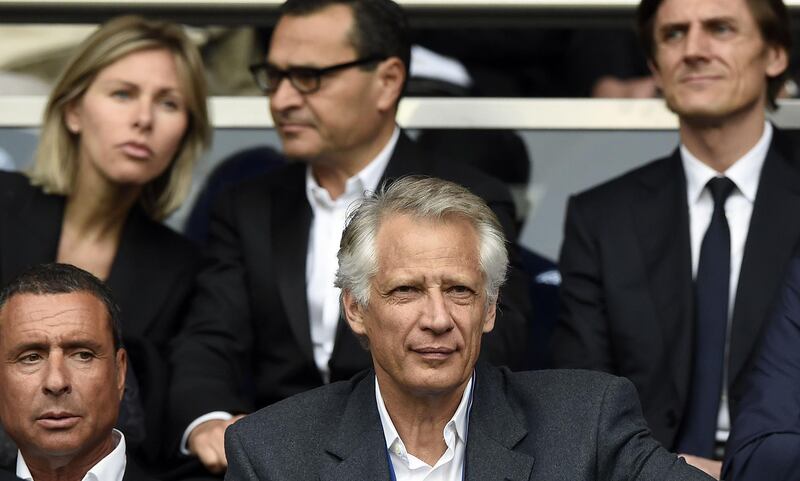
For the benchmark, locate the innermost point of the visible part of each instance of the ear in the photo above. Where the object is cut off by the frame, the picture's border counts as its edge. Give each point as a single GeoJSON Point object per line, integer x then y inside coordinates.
{"type": "Point", "coordinates": [122, 370]}
{"type": "Point", "coordinates": [391, 75]}
{"type": "Point", "coordinates": [491, 315]}
{"type": "Point", "coordinates": [72, 116]}
{"type": "Point", "coordinates": [354, 313]}
{"type": "Point", "coordinates": [777, 60]}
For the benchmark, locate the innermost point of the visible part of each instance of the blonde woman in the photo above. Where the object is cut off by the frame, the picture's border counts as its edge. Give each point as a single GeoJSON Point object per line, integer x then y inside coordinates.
{"type": "Point", "coordinates": [121, 132]}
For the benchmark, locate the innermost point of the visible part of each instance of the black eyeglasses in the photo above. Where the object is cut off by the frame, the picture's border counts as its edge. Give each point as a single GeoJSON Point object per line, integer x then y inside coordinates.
{"type": "Point", "coordinates": [305, 79]}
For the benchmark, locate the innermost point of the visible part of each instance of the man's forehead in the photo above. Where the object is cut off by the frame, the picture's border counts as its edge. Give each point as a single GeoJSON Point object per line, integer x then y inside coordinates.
{"type": "Point", "coordinates": [317, 39]}
{"type": "Point", "coordinates": [59, 314]}
{"type": "Point", "coordinates": [405, 240]}
{"type": "Point", "coordinates": [681, 11]}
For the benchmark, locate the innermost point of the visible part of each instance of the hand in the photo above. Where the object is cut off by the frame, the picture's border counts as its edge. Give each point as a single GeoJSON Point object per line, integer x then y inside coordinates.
{"type": "Point", "coordinates": [708, 466]}
{"type": "Point", "coordinates": [207, 442]}
{"type": "Point", "coordinates": [635, 88]}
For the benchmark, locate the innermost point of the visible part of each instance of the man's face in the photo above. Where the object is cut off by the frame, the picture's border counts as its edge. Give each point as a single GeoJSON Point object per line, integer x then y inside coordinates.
{"type": "Point", "coordinates": [711, 60]}
{"type": "Point", "coordinates": [61, 378]}
{"type": "Point", "coordinates": [347, 112]}
{"type": "Point", "coordinates": [427, 309]}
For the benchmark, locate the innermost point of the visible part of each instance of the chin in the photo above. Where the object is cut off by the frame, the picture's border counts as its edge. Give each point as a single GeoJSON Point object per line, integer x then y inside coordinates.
{"type": "Point", "coordinates": [133, 176]}
{"type": "Point", "coordinates": [434, 385]}
{"type": "Point", "coordinates": [295, 151]}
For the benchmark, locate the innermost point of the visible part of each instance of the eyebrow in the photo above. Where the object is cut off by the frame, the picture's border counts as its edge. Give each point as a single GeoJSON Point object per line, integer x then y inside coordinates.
{"type": "Point", "coordinates": [68, 345]}
{"type": "Point", "coordinates": [126, 83]}
{"type": "Point", "coordinates": [704, 22]}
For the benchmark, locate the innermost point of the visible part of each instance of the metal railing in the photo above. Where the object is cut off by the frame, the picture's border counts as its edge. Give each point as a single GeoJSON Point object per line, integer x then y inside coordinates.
{"type": "Point", "coordinates": [469, 113]}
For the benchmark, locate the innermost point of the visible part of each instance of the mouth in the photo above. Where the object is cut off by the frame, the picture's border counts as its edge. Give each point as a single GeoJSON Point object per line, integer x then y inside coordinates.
{"type": "Point", "coordinates": [699, 79]}
{"type": "Point", "coordinates": [58, 420]}
{"type": "Point", "coordinates": [434, 352]}
{"type": "Point", "coordinates": [136, 150]}
{"type": "Point", "coordinates": [292, 127]}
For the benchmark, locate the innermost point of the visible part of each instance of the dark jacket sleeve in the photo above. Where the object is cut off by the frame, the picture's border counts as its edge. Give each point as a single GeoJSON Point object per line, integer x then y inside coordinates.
{"type": "Point", "coordinates": [765, 440]}
{"type": "Point", "coordinates": [209, 356]}
{"type": "Point", "coordinates": [626, 450]}
{"type": "Point", "coordinates": [581, 337]}
{"type": "Point", "coordinates": [239, 466]}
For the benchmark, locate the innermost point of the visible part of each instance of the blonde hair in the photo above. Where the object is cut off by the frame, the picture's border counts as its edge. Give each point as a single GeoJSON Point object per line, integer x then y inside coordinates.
{"type": "Point", "coordinates": [56, 159]}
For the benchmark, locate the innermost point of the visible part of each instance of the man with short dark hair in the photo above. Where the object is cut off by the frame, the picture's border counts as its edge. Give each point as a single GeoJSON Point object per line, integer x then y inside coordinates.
{"type": "Point", "coordinates": [334, 75]}
{"type": "Point", "coordinates": [669, 271]}
{"type": "Point", "coordinates": [63, 376]}
{"type": "Point", "coordinates": [420, 267]}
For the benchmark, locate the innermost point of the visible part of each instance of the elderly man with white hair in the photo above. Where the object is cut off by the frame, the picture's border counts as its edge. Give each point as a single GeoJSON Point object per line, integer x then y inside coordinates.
{"type": "Point", "coordinates": [420, 266]}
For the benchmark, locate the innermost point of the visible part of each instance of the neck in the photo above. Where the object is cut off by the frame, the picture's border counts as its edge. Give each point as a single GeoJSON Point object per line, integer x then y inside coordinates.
{"type": "Point", "coordinates": [98, 209]}
{"type": "Point", "coordinates": [420, 418]}
{"type": "Point", "coordinates": [720, 144]}
{"type": "Point", "coordinates": [67, 468]}
{"type": "Point", "coordinates": [332, 171]}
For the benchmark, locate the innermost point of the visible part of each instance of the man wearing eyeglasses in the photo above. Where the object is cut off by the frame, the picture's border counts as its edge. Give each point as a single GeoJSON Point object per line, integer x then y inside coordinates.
{"type": "Point", "coordinates": [267, 306]}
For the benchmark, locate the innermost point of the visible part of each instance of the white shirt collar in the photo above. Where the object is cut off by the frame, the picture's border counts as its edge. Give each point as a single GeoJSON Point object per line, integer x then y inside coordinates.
{"type": "Point", "coordinates": [365, 180]}
{"type": "Point", "coordinates": [110, 468]}
{"type": "Point", "coordinates": [745, 172]}
{"type": "Point", "coordinates": [457, 424]}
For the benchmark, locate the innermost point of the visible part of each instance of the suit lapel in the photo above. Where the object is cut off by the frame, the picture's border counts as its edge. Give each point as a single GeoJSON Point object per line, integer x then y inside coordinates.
{"type": "Point", "coordinates": [137, 273]}
{"type": "Point", "coordinates": [661, 222]}
{"type": "Point", "coordinates": [771, 237]}
{"type": "Point", "coordinates": [32, 234]}
{"type": "Point", "coordinates": [359, 445]}
{"type": "Point", "coordinates": [290, 229]}
{"type": "Point", "coordinates": [406, 159]}
{"type": "Point", "coordinates": [494, 430]}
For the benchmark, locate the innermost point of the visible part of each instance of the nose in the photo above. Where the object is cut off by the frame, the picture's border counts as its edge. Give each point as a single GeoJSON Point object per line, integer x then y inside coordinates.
{"type": "Point", "coordinates": [285, 96]}
{"type": "Point", "coordinates": [436, 317]}
{"type": "Point", "coordinates": [696, 47]}
{"type": "Point", "coordinates": [57, 379]}
{"type": "Point", "coordinates": [143, 115]}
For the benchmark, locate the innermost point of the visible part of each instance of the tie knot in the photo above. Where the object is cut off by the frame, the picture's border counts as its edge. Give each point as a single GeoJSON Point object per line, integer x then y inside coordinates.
{"type": "Point", "coordinates": [720, 188]}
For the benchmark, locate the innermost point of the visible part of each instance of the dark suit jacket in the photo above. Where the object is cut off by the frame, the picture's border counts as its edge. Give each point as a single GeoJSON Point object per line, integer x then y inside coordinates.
{"type": "Point", "coordinates": [134, 473]}
{"type": "Point", "coordinates": [151, 278]}
{"type": "Point", "coordinates": [251, 303]}
{"type": "Point", "coordinates": [627, 288]}
{"type": "Point", "coordinates": [765, 441]}
{"type": "Point", "coordinates": [541, 425]}
{"type": "Point", "coordinates": [7, 476]}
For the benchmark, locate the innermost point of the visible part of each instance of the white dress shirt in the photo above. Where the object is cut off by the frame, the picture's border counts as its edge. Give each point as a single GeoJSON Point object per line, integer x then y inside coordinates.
{"type": "Point", "coordinates": [323, 244]}
{"type": "Point", "coordinates": [450, 466]}
{"type": "Point", "coordinates": [110, 468]}
{"type": "Point", "coordinates": [745, 174]}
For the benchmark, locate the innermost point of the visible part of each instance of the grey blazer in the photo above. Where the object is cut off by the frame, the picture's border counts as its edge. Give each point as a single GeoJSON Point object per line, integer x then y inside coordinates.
{"type": "Point", "coordinates": [544, 426]}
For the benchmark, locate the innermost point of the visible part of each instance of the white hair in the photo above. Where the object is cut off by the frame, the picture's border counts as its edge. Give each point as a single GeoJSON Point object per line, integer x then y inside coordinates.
{"type": "Point", "coordinates": [424, 198]}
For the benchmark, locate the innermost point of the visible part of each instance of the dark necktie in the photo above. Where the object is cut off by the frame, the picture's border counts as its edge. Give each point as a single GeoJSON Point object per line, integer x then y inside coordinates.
{"type": "Point", "coordinates": [712, 288]}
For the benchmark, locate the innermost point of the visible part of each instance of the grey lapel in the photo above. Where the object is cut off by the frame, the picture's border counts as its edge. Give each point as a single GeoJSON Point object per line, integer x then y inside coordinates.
{"type": "Point", "coordinates": [661, 222]}
{"type": "Point", "coordinates": [494, 431]}
{"type": "Point", "coordinates": [358, 450]}
{"type": "Point", "coordinates": [771, 239]}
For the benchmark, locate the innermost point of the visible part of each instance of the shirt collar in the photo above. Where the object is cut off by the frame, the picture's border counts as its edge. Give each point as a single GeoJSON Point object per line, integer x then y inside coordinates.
{"type": "Point", "coordinates": [366, 179]}
{"type": "Point", "coordinates": [745, 172]}
{"type": "Point", "coordinates": [458, 422]}
{"type": "Point", "coordinates": [110, 468]}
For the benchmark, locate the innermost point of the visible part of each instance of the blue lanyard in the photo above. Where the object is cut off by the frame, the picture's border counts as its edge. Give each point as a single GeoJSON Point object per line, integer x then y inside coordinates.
{"type": "Point", "coordinates": [393, 475]}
